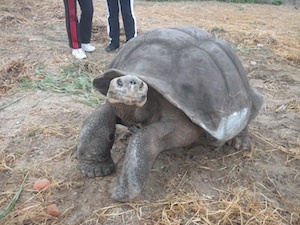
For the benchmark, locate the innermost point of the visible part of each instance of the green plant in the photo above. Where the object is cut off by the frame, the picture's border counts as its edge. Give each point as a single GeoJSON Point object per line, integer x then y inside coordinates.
{"type": "Point", "coordinates": [73, 79]}
{"type": "Point", "coordinates": [277, 2]}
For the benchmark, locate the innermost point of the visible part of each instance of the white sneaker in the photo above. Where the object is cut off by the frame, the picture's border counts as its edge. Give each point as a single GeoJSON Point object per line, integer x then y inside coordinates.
{"type": "Point", "coordinates": [78, 53]}
{"type": "Point", "coordinates": [87, 47]}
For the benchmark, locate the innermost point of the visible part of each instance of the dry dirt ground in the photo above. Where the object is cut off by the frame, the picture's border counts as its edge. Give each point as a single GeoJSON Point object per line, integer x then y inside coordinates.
{"type": "Point", "coordinates": [194, 185]}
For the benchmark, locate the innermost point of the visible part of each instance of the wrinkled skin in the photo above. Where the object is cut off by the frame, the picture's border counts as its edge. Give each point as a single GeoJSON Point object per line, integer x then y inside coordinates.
{"type": "Point", "coordinates": [95, 141]}
{"type": "Point", "coordinates": [163, 127]}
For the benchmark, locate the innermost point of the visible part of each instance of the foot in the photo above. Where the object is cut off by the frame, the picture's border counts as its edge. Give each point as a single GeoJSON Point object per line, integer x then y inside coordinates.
{"type": "Point", "coordinates": [88, 47]}
{"type": "Point", "coordinates": [111, 48]}
{"type": "Point", "coordinates": [97, 169]}
{"type": "Point", "coordinates": [78, 53]}
{"type": "Point", "coordinates": [123, 193]}
{"type": "Point", "coordinates": [241, 142]}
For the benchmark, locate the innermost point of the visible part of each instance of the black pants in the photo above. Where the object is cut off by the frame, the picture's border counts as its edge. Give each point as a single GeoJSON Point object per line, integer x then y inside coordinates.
{"type": "Point", "coordinates": [113, 20]}
{"type": "Point", "coordinates": [79, 31]}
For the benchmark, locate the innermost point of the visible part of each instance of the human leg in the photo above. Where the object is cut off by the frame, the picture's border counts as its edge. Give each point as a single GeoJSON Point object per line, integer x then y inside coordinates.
{"type": "Point", "coordinates": [113, 26]}
{"type": "Point", "coordinates": [73, 28]}
{"type": "Point", "coordinates": [72, 23]}
{"type": "Point", "coordinates": [129, 20]}
{"type": "Point", "coordinates": [86, 18]}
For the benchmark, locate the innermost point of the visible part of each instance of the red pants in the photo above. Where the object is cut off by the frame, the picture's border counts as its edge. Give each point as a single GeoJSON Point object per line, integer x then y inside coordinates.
{"type": "Point", "coordinates": [79, 31]}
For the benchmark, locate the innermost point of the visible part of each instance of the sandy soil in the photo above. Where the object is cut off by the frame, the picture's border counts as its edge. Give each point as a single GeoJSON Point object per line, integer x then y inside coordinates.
{"type": "Point", "coordinates": [195, 185]}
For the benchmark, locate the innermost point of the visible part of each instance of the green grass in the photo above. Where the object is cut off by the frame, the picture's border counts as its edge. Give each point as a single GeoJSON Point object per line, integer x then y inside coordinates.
{"type": "Point", "coordinates": [11, 205]}
{"type": "Point", "coordinates": [73, 79]}
{"type": "Point", "coordinates": [12, 102]}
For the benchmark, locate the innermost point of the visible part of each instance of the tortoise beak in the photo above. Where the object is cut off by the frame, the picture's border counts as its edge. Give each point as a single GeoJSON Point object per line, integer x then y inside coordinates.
{"type": "Point", "coordinates": [128, 90]}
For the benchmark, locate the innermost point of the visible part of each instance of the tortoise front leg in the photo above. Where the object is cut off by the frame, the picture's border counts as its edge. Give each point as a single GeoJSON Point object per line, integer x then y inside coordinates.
{"type": "Point", "coordinates": [241, 141]}
{"type": "Point", "coordinates": [95, 141]}
{"type": "Point", "coordinates": [143, 148]}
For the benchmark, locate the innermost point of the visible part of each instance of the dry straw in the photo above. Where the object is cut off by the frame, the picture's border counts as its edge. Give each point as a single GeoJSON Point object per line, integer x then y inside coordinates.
{"type": "Point", "coordinates": [276, 29]}
{"type": "Point", "coordinates": [234, 207]}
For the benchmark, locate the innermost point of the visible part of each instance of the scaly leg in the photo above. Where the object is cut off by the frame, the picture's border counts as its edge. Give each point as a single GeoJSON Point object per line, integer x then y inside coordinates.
{"type": "Point", "coordinates": [144, 147]}
{"type": "Point", "coordinates": [95, 142]}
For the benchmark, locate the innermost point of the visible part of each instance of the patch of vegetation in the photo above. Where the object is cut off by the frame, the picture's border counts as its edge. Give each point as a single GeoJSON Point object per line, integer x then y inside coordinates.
{"type": "Point", "coordinates": [277, 2]}
{"type": "Point", "coordinates": [73, 79]}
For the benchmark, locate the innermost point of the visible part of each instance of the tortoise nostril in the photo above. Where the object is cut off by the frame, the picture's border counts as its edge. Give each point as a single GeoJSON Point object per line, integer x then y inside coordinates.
{"type": "Point", "coordinates": [120, 83]}
{"type": "Point", "coordinates": [133, 82]}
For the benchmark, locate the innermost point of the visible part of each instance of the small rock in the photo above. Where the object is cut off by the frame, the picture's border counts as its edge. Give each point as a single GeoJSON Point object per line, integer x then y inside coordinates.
{"type": "Point", "coordinates": [52, 210]}
{"type": "Point", "coordinates": [281, 108]}
{"type": "Point", "coordinates": [41, 184]}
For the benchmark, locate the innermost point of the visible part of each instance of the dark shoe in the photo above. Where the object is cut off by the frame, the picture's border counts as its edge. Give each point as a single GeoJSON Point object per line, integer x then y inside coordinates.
{"type": "Point", "coordinates": [111, 48]}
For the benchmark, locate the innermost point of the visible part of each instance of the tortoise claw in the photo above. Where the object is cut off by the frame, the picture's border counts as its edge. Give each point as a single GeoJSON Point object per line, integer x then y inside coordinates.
{"type": "Point", "coordinates": [240, 142]}
{"type": "Point", "coordinates": [97, 169]}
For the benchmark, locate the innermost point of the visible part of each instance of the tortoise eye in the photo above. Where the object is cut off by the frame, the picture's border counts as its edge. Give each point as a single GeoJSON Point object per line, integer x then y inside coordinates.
{"type": "Point", "coordinates": [141, 85]}
{"type": "Point", "coordinates": [120, 83]}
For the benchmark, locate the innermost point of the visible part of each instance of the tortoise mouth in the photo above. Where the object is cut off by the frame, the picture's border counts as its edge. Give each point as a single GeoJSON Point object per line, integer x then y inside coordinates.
{"type": "Point", "coordinates": [115, 98]}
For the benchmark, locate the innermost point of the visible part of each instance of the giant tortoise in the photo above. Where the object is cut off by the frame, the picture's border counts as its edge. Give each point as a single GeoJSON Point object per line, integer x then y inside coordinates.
{"type": "Point", "coordinates": [178, 86]}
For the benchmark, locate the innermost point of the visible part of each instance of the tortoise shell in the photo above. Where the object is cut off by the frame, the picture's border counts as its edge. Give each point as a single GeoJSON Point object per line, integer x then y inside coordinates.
{"type": "Point", "coordinates": [196, 72]}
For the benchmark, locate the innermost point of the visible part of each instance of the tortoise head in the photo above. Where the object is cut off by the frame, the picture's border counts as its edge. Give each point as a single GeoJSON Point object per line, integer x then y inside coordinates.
{"type": "Point", "coordinates": [121, 87]}
{"type": "Point", "coordinates": [128, 90]}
